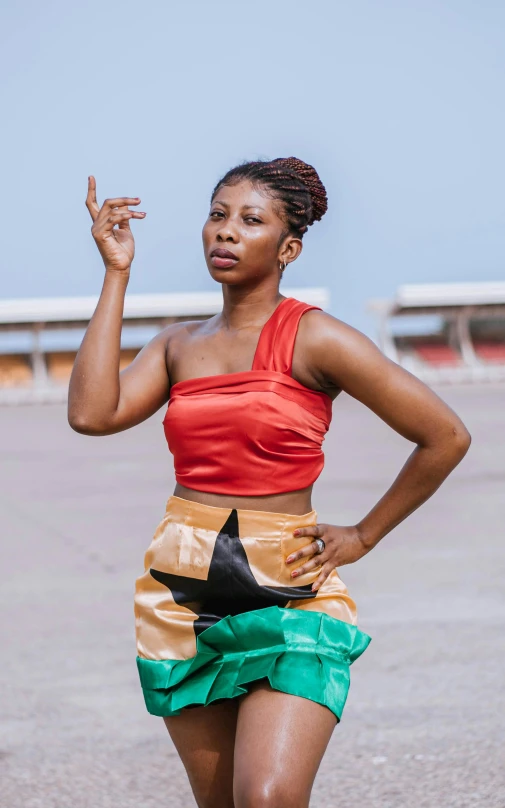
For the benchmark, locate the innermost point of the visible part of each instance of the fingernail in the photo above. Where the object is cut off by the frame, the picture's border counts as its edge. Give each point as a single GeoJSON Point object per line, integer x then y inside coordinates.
{"type": "Point", "coordinates": [288, 559]}
{"type": "Point", "coordinates": [294, 574]}
{"type": "Point", "coordinates": [296, 533]}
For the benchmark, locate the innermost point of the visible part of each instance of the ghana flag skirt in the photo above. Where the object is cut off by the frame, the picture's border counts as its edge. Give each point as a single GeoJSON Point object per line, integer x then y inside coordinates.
{"type": "Point", "coordinates": [216, 609]}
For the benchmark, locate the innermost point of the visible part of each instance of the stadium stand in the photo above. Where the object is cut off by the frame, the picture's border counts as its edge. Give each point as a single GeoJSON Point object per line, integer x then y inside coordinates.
{"type": "Point", "coordinates": [490, 351]}
{"type": "Point", "coordinates": [465, 338]}
{"type": "Point", "coordinates": [15, 371]}
{"type": "Point", "coordinates": [35, 370]}
{"type": "Point", "coordinates": [438, 354]}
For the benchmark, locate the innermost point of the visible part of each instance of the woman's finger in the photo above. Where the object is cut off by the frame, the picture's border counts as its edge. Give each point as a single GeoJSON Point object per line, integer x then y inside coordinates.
{"type": "Point", "coordinates": [324, 574]}
{"type": "Point", "coordinates": [309, 549]}
{"type": "Point", "coordinates": [120, 201]}
{"type": "Point", "coordinates": [117, 216]}
{"type": "Point", "coordinates": [315, 561]}
{"type": "Point", "coordinates": [311, 530]}
{"type": "Point", "coordinates": [91, 203]}
{"type": "Point", "coordinates": [113, 206]}
{"type": "Point", "coordinates": [120, 218]}
{"type": "Point", "coordinates": [124, 221]}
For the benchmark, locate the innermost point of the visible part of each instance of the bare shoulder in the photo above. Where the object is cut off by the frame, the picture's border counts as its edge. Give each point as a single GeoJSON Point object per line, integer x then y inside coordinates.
{"type": "Point", "coordinates": [175, 334]}
{"type": "Point", "coordinates": [155, 355]}
{"type": "Point", "coordinates": [317, 325]}
{"type": "Point", "coordinates": [333, 347]}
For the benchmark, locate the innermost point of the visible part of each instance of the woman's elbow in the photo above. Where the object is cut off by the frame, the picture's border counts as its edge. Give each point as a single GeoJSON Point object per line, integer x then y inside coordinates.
{"type": "Point", "coordinates": [449, 439]}
{"type": "Point", "coordinates": [461, 440]}
{"type": "Point", "coordinates": [83, 426]}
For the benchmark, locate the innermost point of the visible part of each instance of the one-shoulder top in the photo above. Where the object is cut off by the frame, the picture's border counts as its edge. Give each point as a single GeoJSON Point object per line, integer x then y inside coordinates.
{"type": "Point", "coordinates": [254, 432]}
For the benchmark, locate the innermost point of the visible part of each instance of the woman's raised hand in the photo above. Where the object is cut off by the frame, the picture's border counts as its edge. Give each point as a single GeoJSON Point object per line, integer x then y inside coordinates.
{"type": "Point", "coordinates": [116, 245]}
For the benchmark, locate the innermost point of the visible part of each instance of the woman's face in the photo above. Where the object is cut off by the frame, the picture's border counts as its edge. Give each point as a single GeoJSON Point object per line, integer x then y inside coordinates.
{"type": "Point", "coordinates": [245, 222]}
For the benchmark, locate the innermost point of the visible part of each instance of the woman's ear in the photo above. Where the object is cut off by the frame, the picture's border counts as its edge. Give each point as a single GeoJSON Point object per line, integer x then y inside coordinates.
{"type": "Point", "coordinates": [290, 250]}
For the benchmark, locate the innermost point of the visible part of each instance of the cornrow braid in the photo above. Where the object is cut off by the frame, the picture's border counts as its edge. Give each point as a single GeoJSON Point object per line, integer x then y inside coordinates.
{"type": "Point", "coordinates": [294, 183]}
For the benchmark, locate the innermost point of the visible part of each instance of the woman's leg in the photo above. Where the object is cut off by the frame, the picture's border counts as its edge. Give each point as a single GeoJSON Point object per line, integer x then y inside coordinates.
{"type": "Point", "coordinates": [279, 745]}
{"type": "Point", "coordinates": [204, 738]}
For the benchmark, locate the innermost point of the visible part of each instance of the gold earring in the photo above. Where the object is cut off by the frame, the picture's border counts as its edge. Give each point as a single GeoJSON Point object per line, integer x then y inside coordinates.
{"type": "Point", "coordinates": [282, 268]}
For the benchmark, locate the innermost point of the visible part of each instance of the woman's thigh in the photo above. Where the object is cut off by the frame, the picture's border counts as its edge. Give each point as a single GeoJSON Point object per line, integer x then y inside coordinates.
{"type": "Point", "coordinates": [204, 738]}
{"type": "Point", "coordinates": [280, 742]}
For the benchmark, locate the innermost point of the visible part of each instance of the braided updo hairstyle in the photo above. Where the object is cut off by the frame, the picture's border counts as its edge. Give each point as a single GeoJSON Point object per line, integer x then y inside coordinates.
{"type": "Point", "coordinates": [291, 181]}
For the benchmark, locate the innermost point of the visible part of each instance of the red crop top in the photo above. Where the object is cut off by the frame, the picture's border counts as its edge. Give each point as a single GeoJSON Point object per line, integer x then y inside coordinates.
{"type": "Point", "coordinates": [252, 433]}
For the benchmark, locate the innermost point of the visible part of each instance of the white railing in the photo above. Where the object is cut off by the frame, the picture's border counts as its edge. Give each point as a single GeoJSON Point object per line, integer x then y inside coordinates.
{"type": "Point", "coordinates": [455, 303]}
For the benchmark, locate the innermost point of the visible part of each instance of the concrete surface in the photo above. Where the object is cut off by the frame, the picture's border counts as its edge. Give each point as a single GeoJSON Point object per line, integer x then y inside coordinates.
{"type": "Point", "coordinates": [423, 725]}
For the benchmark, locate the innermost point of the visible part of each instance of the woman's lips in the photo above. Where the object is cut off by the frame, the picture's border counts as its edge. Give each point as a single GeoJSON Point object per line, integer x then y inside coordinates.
{"type": "Point", "coordinates": [223, 263]}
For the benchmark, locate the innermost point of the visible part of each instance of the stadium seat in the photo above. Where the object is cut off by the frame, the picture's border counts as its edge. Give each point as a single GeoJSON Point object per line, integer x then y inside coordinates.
{"type": "Point", "coordinates": [490, 351]}
{"type": "Point", "coordinates": [59, 365]}
{"type": "Point", "coordinates": [15, 370]}
{"type": "Point", "coordinates": [438, 354]}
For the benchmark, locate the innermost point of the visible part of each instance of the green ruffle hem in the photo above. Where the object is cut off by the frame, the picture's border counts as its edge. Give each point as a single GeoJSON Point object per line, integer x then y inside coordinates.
{"type": "Point", "coordinates": [304, 653]}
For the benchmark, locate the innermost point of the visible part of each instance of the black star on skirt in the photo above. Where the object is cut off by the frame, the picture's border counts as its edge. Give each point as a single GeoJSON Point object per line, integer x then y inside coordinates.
{"type": "Point", "coordinates": [230, 588]}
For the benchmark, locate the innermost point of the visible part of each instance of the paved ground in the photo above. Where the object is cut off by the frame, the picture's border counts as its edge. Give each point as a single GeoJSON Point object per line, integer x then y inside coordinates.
{"type": "Point", "coordinates": [423, 726]}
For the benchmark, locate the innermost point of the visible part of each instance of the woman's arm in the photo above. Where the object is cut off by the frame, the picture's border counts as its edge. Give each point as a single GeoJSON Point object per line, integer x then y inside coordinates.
{"type": "Point", "coordinates": [101, 400]}
{"type": "Point", "coordinates": [347, 359]}
{"type": "Point", "coordinates": [354, 363]}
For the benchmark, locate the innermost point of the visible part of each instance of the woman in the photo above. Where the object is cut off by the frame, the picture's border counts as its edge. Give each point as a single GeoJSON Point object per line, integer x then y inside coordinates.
{"type": "Point", "coordinates": [245, 631]}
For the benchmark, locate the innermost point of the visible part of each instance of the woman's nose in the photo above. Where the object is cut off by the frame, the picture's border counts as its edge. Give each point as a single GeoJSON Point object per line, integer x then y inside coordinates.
{"type": "Point", "coordinates": [226, 233]}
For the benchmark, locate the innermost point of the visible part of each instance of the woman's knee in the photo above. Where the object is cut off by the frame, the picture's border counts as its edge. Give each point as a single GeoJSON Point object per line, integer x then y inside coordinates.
{"type": "Point", "coordinates": [268, 795]}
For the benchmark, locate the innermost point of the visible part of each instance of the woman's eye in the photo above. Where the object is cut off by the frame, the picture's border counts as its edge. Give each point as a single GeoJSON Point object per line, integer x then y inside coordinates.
{"type": "Point", "coordinates": [219, 214]}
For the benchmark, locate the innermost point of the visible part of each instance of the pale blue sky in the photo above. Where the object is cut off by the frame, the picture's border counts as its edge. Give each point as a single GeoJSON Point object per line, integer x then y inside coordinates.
{"type": "Point", "coordinates": [398, 105]}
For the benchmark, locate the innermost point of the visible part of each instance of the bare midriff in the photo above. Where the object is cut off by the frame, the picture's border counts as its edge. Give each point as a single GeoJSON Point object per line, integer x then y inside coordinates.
{"type": "Point", "coordinates": [292, 502]}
